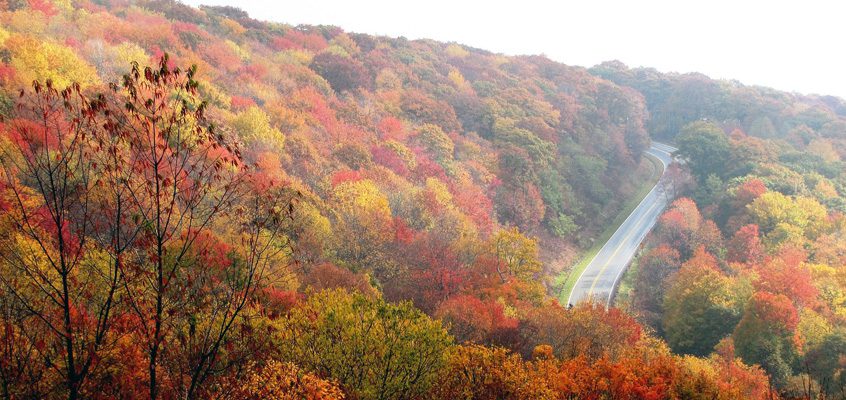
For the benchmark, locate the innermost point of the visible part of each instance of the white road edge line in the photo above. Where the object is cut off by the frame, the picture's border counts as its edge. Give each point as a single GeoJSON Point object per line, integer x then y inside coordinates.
{"type": "Point", "coordinates": [570, 296]}
{"type": "Point", "coordinates": [651, 225]}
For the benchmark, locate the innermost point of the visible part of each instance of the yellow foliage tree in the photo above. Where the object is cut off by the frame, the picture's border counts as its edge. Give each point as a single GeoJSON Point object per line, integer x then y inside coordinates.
{"type": "Point", "coordinates": [479, 372]}
{"type": "Point", "coordinates": [387, 79]}
{"type": "Point", "coordinates": [285, 381]}
{"type": "Point", "coordinates": [345, 42]}
{"type": "Point", "coordinates": [312, 230]}
{"type": "Point", "coordinates": [458, 80]}
{"type": "Point", "coordinates": [4, 34]}
{"type": "Point", "coordinates": [785, 219]}
{"type": "Point", "coordinates": [456, 51]}
{"type": "Point", "coordinates": [516, 254]}
{"type": "Point", "coordinates": [27, 21]}
{"type": "Point", "coordinates": [375, 349]}
{"type": "Point", "coordinates": [404, 153]}
{"type": "Point", "coordinates": [438, 193]}
{"type": "Point", "coordinates": [812, 328]}
{"type": "Point", "coordinates": [34, 59]}
{"type": "Point", "coordinates": [126, 53]}
{"type": "Point", "coordinates": [253, 127]}
{"type": "Point", "coordinates": [233, 27]}
{"type": "Point", "coordinates": [364, 227]}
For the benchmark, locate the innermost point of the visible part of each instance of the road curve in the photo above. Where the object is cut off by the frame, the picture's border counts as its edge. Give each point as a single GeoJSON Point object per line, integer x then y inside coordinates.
{"type": "Point", "coordinates": [599, 279]}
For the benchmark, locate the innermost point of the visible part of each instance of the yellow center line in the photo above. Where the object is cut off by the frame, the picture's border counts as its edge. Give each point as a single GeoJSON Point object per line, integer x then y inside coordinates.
{"type": "Point", "coordinates": [620, 247]}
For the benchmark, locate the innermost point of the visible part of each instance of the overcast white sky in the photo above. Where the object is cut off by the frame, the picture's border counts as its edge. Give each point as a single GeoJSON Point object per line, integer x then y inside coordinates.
{"type": "Point", "coordinates": [789, 45]}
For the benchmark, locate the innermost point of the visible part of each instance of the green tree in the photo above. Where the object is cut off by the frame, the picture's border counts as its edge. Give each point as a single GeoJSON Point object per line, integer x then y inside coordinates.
{"type": "Point", "coordinates": [563, 225]}
{"type": "Point", "coordinates": [433, 138]}
{"type": "Point", "coordinates": [824, 362]}
{"type": "Point", "coordinates": [705, 148]}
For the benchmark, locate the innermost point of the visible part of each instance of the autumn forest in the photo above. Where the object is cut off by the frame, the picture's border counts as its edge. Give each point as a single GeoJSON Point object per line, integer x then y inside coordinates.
{"type": "Point", "coordinates": [196, 204]}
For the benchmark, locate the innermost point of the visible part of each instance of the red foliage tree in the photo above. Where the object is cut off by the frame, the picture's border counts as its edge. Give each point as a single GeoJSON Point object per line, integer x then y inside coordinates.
{"type": "Point", "coordinates": [297, 39]}
{"type": "Point", "coordinates": [745, 246]}
{"type": "Point", "coordinates": [678, 226]}
{"type": "Point", "coordinates": [391, 128]}
{"type": "Point", "coordinates": [588, 330]}
{"type": "Point", "coordinates": [43, 6]}
{"type": "Point", "coordinates": [343, 73]}
{"type": "Point", "coordinates": [473, 320]}
{"type": "Point", "coordinates": [181, 177]}
{"type": "Point", "coordinates": [51, 221]}
{"type": "Point", "coordinates": [787, 274]}
{"type": "Point", "coordinates": [330, 276]}
{"type": "Point", "coordinates": [390, 159]}
{"type": "Point", "coordinates": [748, 191]}
{"type": "Point", "coordinates": [424, 109]}
{"type": "Point", "coordinates": [764, 335]}
{"type": "Point", "coordinates": [654, 268]}
{"type": "Point", "coordinates": [240, 103]}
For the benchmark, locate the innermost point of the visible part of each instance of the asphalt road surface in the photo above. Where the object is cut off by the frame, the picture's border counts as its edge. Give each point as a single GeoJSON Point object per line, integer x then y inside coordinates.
{"type": "Point", "coordinates": [599, 279]}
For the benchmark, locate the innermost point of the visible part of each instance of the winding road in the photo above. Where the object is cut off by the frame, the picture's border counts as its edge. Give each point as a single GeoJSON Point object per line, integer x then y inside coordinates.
{"type": "Point", "coordinates": [599, 279]}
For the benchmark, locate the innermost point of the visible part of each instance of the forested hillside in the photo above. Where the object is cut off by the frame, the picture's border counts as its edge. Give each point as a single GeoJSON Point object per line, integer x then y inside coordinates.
{"type": "Point", "coordinates": [753, 258]}
{"type": "Point", "coordinates": [674, 100]}
{"type": "Point", "coordinates": [198, 204]}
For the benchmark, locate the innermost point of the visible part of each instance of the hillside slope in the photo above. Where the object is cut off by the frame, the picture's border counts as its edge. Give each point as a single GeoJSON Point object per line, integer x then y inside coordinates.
{"type": "Point", "coordinates": [308, 213]}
